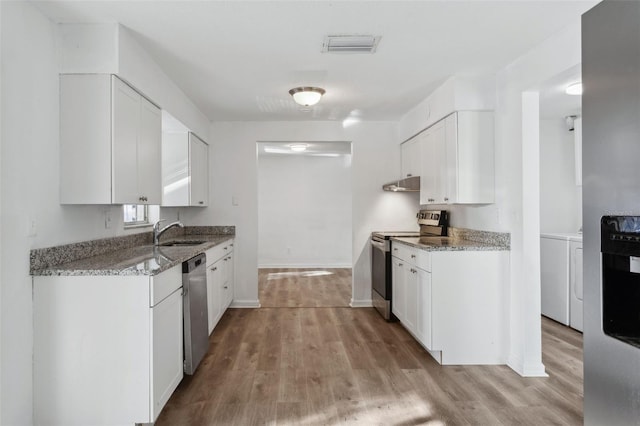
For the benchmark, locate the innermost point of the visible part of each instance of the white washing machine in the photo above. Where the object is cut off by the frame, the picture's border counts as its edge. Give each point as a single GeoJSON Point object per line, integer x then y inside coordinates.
{"type": "Point", "coordinates": [561, 277]}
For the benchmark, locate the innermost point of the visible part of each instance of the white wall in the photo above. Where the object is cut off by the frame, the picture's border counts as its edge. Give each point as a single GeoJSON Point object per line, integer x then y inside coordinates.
{"type": "Point", "coordinates": [304, 206]}
{"type": "Point", "coordinates": [234, 173]}
{"type": "Point", "coordinates": [560, 198]}
{"type": "Point", "coordinates": [517, 156]}
{"type": "Point", "coordinates": [29, 187]}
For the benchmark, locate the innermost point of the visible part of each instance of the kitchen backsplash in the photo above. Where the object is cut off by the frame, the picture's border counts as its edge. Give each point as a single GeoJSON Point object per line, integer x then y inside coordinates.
{"type": "Point", "coordinates": [497, 238]}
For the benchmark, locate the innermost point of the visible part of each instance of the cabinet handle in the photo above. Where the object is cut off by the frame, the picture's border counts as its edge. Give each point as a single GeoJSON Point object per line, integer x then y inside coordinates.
{"type": "Point", "coordinates": [225, 287]}
{"type": "Point", "coordinates": [395, 249]}
{"type": "Point", "coordinates": [413, 256]}
{"type": "Point", "coordinates": [214, 269]}
{"type": "Point", "coordinates": [400, 264]}
{"type": "Point", "coordinates": [446, 198]}
{"type": "Point", "coordinates": [408, 174]}
{"type": "Point", "coordinates": [200, 202]}
{"type": "Point", "coordinates": [226, 248]}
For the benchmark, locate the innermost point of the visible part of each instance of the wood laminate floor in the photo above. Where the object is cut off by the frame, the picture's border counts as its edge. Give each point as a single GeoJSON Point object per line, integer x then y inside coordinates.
{"type": "Point", "coordinates": [298, 288]}
{"type": "Point", "coordinates": [329, 366]}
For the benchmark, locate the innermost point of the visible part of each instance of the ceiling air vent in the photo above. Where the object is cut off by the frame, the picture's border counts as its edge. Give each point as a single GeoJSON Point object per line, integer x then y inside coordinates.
{"type": "Point", "coordinates": [350, 44]}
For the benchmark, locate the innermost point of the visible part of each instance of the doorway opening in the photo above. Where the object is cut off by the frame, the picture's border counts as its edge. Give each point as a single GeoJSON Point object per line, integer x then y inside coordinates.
{"type": "Point", "coordinates": [561, 199]}
{"type": "Point", "coordinates": [304, 224]}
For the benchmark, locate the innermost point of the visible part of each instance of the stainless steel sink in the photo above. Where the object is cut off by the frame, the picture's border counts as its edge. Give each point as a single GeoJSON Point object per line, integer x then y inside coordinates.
{"type": "Point", "coordinates": [181, 243]}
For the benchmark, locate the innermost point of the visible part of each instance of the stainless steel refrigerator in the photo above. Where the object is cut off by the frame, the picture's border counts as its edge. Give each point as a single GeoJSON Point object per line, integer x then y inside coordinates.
{"type": "Point", "coordinates": [611, 188]}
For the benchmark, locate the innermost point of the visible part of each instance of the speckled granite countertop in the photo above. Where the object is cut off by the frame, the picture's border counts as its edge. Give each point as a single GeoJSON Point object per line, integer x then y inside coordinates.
{"type": "Point", "coordinates": [449, 244]}
{"type": "Point", "coordinates": [145, 259]}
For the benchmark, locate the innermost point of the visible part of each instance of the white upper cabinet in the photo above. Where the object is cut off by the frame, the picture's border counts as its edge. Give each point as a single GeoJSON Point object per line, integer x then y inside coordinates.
{"type": "Point", "coordinates": [457, 160]}
{"type": "Point", "coordinates": [433, 161]}
{"type": "Point", "coordinates": [110, 142]}
{"type": "Point", "coordinates": [411, 157]}
{"type": "Point", "coordinates": [199, 171]}
{"type": "Point", "coordinates": [470, 158]}
{"type": "Point", "coordinates": [185, 170]}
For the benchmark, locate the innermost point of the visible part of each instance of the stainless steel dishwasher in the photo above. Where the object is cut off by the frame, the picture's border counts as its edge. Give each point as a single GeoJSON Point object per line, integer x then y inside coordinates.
{"type": "Point", "coordinates": [196, 333]}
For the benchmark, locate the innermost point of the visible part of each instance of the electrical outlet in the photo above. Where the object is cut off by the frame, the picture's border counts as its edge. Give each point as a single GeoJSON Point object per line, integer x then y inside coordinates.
{"type": "Point", "coordinates": [107, 219]}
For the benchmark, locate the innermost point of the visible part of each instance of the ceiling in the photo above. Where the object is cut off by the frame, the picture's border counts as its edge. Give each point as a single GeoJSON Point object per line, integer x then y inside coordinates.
{"type": "Point", "coordinates": [237, 59]}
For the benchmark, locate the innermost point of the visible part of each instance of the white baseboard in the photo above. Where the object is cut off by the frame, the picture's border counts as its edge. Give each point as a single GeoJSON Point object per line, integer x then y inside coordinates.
{"type": "Point", "coordinates": [245, 304]}
{"type": "Point", "coordinates": [527, 369]}
{"type": "Point", "coordinates": [368, 303]}
{"type": "Point", "coordinates": [278, 266]}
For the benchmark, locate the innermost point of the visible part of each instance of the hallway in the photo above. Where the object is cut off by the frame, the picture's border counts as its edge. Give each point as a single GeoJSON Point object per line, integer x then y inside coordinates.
{"type": "Point", "coordinates": [304, 288]}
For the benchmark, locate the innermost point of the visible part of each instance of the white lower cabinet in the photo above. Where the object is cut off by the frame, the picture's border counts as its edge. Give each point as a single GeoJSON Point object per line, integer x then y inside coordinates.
{"type": "Point", "coordinates": [398, 299]}
{"type": "Point", "coordinates": [220, 276]}
{"type": "Point", "coordinates": [107, 349]}
{"type": "Point", "coordinates": [167, 356]}
{"type": "Point", "coordinates": [423, 303]}
{"type": "Point", "coordinates": [453, 302]}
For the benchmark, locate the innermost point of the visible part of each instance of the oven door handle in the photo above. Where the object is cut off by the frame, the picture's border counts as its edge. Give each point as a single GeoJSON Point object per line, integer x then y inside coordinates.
{"type": "Point", "coordinates": [379, 245]}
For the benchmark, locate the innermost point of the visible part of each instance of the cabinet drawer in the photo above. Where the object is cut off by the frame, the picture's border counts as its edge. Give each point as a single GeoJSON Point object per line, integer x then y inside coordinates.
{"type": "Point", "coordinates": [412, 255]}
{"type": "Point", "coordinates": [162, 285]}
{"type": "Point", "coordinates": [219, 251]}
{"type": "Point", "coordinates": [402, 251]}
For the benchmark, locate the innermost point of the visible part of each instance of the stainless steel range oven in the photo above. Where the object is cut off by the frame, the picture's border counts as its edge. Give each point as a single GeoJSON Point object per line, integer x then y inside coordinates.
{"type": "Point", "coordinates": [431, 223]}
{"type": "Point", "coordinates": [381, 270]}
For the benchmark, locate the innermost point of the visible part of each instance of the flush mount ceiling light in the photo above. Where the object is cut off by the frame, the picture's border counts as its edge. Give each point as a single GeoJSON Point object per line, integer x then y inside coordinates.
{"type": "Point", "coordinates": [574, 89]}
{"type": "Point", "coordinates": [306, 96]}
{"type": "Point", "coordinates": [298, 147]}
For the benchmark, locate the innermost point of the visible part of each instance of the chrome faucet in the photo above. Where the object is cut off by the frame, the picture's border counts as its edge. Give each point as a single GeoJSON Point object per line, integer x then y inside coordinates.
{"type": "Point", "coordinates": [157, 232]}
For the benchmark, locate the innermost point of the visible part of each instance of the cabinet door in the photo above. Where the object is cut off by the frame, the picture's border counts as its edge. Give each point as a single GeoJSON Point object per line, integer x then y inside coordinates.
{"type": "Point", "coordinates": [427, 171]}
{"type": "Point", "coordinates": [474, 166]}
{"type": "Point", "coordinates": [398, 279]}
{"type": "Point", "coordinates": [423, 298]}
{"type": "Point", "coordinates": [451, 159]}
{"type": "Point", "coordinates": [432, 182]}
{"type": "Point", "coordinates": [149, 162]}
{"type": "Point", "coordinates": [411, 299]}
{"type": "Point", "coordinates": [125, 113]}
{"type": "Point", "coordinates": [167, 346]}
{"type": "Point", "coordinates": [198, 171]}
{"type": "Point", "coordinates": [175, 169]}
{"type": "Point", "coordinates": [410, 151]}
{"type": "Point", "coordinates": [228, 284]}
{"type": "Point", "coordinates": [214, 302]}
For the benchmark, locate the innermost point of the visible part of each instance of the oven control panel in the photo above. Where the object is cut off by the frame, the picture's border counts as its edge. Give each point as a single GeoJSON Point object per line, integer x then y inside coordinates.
{"type": "Point", "coordinates": [433, 217]}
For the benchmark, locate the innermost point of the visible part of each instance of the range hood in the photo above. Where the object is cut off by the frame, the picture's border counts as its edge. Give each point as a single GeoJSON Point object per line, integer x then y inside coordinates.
{"type": "Point", "coordinates": [410, 184]}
